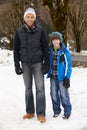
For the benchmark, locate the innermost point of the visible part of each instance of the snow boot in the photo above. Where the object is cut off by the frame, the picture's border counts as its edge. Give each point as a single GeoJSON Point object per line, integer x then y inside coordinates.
{"type": "Point", "coordinates": [41, 119]}
{"type": "Point", "coordinates": [28, 116]}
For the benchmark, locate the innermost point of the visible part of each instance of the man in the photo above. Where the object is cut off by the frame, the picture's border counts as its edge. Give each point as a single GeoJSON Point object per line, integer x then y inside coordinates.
{"type": "Point", "coordinates": [31, 50]}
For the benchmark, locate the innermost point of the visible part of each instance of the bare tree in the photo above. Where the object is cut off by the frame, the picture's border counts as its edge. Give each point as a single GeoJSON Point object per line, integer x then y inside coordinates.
{"type": "Point", "coordinates": [78, 17]}
{"type": "Point", "coordinates": [15, 17]}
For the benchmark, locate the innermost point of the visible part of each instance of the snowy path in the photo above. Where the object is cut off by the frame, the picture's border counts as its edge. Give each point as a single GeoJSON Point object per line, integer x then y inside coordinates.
{"type": "Point", "coordinates": [12, 104]}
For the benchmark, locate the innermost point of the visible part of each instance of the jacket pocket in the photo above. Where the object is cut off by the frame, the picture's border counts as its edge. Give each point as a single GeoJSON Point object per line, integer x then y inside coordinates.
{"type": "Point", "coordinates": [62, 58]}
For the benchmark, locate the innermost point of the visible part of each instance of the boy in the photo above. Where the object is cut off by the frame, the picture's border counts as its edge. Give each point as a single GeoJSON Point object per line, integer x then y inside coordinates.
{"type": "Point", "coordinates": [59, 73]}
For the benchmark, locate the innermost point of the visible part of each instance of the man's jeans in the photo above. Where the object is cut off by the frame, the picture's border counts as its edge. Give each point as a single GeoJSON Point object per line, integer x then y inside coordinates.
{"type": "Point", "coordinates": [29, 72]}
{"type": "Point", "coordinates": [59, 94]}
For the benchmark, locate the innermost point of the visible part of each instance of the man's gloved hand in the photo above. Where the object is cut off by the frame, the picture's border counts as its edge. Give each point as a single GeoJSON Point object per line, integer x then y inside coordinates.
{"type": "Point", "coordinates": [45, 67]}
{"type": "Point", "coordinates": [18, 69]}
{"type": "Point", "coordinates": [66, 83]}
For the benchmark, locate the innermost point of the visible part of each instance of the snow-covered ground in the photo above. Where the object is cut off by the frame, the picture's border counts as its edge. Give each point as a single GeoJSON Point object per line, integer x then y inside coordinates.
{"type": "Point", "coordinates": [12, 102]}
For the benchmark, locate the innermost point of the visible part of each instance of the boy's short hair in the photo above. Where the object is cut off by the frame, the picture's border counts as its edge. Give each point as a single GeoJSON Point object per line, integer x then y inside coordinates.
{"type": "Point", "coordinates": [54, 37]}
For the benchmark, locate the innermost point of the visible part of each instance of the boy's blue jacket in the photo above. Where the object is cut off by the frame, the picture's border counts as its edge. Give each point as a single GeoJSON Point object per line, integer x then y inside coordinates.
{"type": "Point", "coordinates": [64, 66]}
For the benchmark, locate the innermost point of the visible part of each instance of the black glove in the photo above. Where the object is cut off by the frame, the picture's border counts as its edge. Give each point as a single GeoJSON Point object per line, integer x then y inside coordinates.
{"type": "Point", "coordinates": [45, 67]}
{"type": "Point", "coordinates": [66, 83]}
{"type": "Point", "coordinates": [18, 69]}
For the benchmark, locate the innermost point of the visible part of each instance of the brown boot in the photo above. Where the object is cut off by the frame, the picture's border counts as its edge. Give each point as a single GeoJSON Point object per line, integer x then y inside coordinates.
{"type": "Point", "coordinates": [41, 119]}
{"type": "Point", "coordinates": [28, 116]}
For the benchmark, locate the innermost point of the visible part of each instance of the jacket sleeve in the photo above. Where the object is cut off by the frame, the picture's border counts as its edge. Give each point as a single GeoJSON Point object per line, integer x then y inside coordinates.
{"type": "Point", "coordinates": [16, 48]}
{"type": "Point", "coordinates": [44, 44]}
{"type": "Point", "coordinates": [68, 64]}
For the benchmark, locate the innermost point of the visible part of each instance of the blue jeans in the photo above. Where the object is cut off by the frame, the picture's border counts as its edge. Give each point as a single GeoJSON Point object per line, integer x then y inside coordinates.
{"type": "Point", "coordinates": [28, 73]}
{"type": "Point", "coordinates": [59, 95]}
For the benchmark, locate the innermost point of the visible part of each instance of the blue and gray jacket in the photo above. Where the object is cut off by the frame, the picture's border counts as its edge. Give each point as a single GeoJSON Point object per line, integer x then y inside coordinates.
{"type": "Point", "coordinates": [64, 63]}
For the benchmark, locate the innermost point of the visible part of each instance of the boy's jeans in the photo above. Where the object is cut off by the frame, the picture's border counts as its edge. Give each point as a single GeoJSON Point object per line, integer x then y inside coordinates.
{"type": "Point", "coordinates": [28, 73]}
{"type": "Point", "coordinates": [59, 94]}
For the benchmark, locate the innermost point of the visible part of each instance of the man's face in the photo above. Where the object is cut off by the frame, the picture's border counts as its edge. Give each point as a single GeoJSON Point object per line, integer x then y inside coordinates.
{"type": "Point", "coordinates": [29, 19]}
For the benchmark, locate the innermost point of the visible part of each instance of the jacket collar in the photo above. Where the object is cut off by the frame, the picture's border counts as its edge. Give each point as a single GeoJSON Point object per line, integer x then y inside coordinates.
{"type": "Point", "coordinates": [33, 29]}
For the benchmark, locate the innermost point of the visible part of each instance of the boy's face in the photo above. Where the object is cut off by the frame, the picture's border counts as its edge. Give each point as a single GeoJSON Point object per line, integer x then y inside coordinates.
{"type": "Point", "coordinates": [56, 43]}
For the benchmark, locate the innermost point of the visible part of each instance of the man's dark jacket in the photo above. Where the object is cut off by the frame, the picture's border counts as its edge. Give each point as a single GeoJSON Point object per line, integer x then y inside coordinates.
{"type": "Point", "coordinates": [30, 45]}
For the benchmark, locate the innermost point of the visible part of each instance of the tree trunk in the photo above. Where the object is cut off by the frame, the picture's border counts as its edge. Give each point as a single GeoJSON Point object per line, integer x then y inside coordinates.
{"type": "Point", "coordinates": [11, 44]}
{"type": "Point", "coordinates": [78, 45]}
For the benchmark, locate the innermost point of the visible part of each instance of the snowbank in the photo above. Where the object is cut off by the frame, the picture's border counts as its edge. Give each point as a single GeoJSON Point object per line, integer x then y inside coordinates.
{"type": "Point", "coordinates": [6, 57]}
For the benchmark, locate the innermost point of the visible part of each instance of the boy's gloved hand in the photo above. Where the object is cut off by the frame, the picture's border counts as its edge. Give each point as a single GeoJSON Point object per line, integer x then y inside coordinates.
{"type": "Point", "coordinates": [66, 83]}
{"type": "Point", "coordinates": [18, 69]}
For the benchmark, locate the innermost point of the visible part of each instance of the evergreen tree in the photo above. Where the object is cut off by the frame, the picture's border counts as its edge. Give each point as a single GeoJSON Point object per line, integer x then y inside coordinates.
{"type": "Point", "coordinates": [58, 13]}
